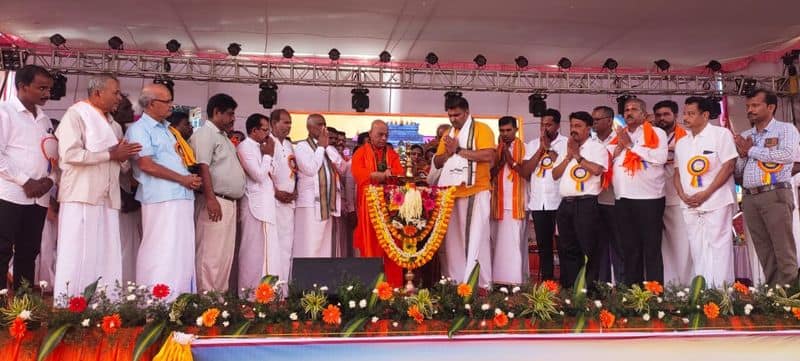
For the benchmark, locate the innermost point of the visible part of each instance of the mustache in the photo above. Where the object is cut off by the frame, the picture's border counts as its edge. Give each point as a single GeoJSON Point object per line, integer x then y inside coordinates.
{"type": "Point", "coordinates": [574, 134]}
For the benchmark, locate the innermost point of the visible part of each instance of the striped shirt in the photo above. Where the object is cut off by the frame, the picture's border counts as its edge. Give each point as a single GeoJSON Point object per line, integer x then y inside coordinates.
{"type": "Point", "coordinates": [775, 144]}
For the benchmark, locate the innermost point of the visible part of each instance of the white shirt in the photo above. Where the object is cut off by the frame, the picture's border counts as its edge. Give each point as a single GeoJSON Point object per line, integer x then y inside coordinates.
{"type": "Point", "coordinates": [308, 163]}
{"type": "Point", "coordinates": [670, 193]}
{"type": "Point", "coordinates": [543, 189]}
{"type": "Point", "coordinates": [606, 196]}
{"type": "Point", "coordinates": [284, 167]}
{"type": "Point", "coordinates": [21, 156]}
{"type": "Point", "coordinates": [717, 146]}
{"type": "Point", "coordinates": [595, 152]}
{"type": "Point", "coordinates": [648, 182]}
{"type": "Point", "coordinates": [258, 189]}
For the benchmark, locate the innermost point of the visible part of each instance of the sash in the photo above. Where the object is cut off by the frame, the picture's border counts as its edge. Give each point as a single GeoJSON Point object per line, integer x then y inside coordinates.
{"type": "Point", "coordinates": [182, 148]}
{"type": "Point", "coordinates": [498, 208]}
{"type": "Point", "coordinates": [327, 190]}
{"type": "Point", "coordinates": [458, 170]}
{"type": "Point", "coordinates": [633, 162]}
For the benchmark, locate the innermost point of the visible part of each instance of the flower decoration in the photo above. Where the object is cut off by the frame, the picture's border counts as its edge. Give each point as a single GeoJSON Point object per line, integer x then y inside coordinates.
{"type": "Point", "coordinates": [265, 293]}
{"type": "Point", "coordinates": [654, 287]}
{"type": "Point", "coordinates": [607, 319]}
{"type": "Point", "coordinates": [209, 317]}
{"type": "Point", "coordinates": [551, 285]}
{"type": "Point", "coordinates": [385, 291]}
{"type": "Point", "coordinates": [18, 328]}
{"type": "Point", "coordinates": [332, 315]}
{"type": "Point", "coordinates": [111, 323]}
{"type": "Point", "coordinates": [414, 313]}
{"type": "Point", "coordinates": [741, 288]}
{"type": "Point", "coordinates": [711, 310]}
{"type": "Point", "coordinates": [77, 304]}
{"type": "Point", "coordinates": [500, 319]}
{"type": "Point", "coordinates": [161, 291]}
{"type": "Point", "coordinates": [796, 312]}
{"type": "Point", "coordinates": [464, 290]}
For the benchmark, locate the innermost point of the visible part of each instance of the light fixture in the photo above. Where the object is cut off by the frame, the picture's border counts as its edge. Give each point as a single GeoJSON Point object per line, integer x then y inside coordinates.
{"type": "Point", "coordinates": [12, 59]}
{"type": "Point", "coordinates": [360, 100]}
{"type": "Point", "coordinates": [59, 89]}
{"type": "Point", "coordinates": [745, 86]}
{"type": "Point", "coordinates": [334, 54]}
{"type": "Point", "coordinates": [385, 57]}
{"type": "Point", "coordinates": [714, 66]}
{"type": "Point", "coordinates": [480, 60]}
{"type": "Point", "coordinates": [449, 95]}
{"type": "Point", "coordinates": [173, 46]}
{"type": "Point", "coordinates": [610, 64]}
{"type": "Point", "coordinates": [234, 49]}
{"type": "Point", "coordinates": [536, 104]}
{"type": "Point", "coordinates": [564, 63]}
{"type": "Point", "coordinates": [431, 59]}
{"type": "Point", "coordinates": [115, 43]}
{"type": "Point", "coordinates": [287, 52]}
{"type": "Point", "coordinates": [521, 61]}
{"type": "Point", "coordinates": [662, 64]}
{"type": "Point", "coordinates": [268, 95]}
{"type": "Point", "coordinates": [57, 40]}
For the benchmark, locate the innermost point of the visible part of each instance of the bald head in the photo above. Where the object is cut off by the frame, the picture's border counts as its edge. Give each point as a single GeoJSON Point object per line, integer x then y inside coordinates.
{"type": "Point", "coordinates": [156, 100]}
{"type": "Point", "coordinates": [379, 133]}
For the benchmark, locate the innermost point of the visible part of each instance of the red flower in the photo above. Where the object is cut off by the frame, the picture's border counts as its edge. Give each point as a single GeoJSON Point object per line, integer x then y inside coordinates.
{"type": "Point", "coordinates": [654, 287]}
{"type": "Point", "coordinates": [429, 204]}
{"type": "Point", "coordinates": [111, 323]}
{"type": "Point", "coordinates": [332, 315]}
{"type": "Point", "coordinates": [414, 313]}
{"type": "Point", "coordinates": [385, 291]}
{"type": "Point", "coordinates": [741, 288]}
{"type": "Point", "coordinates": [606, 319]}
{"type": "Point", "coordinates": [464, 290]}
{"type": "Point", "coordinates": [77, 304]}
{"type": "Point", "coordinates": [265, 293]}
{"type": "Point", "coordinates": [18, 328]}
{"type": "Point", "coordinates": [551, 285]}
{"type": "Point", "coordinates": [398, 198]}
{"type": "Point", "coordinates": [711, 310]}
{"type": "Point", "coordinates": [160, 291]}
{"type": "Point", "coordinates": [409, 230]}
{"type": "Point", "coordinates": [500, 319]}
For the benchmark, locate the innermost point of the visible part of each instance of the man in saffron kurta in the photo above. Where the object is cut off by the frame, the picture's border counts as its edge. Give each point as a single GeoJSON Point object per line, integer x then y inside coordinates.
{"type": "Point", "coordinates": [372, 164]}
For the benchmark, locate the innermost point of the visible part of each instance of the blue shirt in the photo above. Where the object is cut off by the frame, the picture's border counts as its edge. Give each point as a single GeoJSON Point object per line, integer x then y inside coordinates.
{"type": "Point", "coordinates": [775, 144]}
{"type": "Point", "coordinates": [159, 144]}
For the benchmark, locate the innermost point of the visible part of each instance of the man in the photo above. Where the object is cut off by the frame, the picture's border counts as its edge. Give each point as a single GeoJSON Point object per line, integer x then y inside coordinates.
{"type": "Point", "coordinates": [764, 164]}
{"type": "Point", "coordinates": [25, 173]}
{"type": "Point", "coordinates": [580, 172]}
{"type": "Point", "coordinates": [318, 197]}
{"type": "Point", "coordinates": [165, 190]}
{"type": "Point", "coordinates": [223, 184]}
{"type": "Point", "coordinates": [704, 163]}
{"type": "Point", "coordinates": [259, 253]}
{"type": "Point", "coordinates": [464, 157]}
{"type": "Point", "coordinates": [509, 195]}
{"type": "Point", "coordinates": [674, 242]}
{"type": "Point", "coordinates": [373, 164]}
{"type": "Point", "coordinates": [608, 228]}
{"type": "Point", "coordinates": [284, 177]}
{"type": "Point", "coordinates": [90, 157]}
{"type": "Point", "coordinates": [544, 195]}
{"type": "Point", "coordinates": [130, 213]}
{"type": "Point", "coordinates": [339, 244]}
{"type": "Point", "coordinates": [640, 153]}
{"type": "Point", "coordinates": [180, 122]}
{"type": "Point", "coordinates": [349, 199]}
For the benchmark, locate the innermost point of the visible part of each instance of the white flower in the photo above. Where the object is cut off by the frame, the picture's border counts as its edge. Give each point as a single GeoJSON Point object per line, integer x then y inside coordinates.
{"type": "Point", "coordinates": [262, 315]}
{"type": "Point", "coordinates": [442, 281]}
{"type": "Point", "coordinates": [485, 307]}
{"type": "Point", "coordinates": [131, 297]}
{"type": "Point", "coordinates": [142, 287]}
{"type": "Point", "coordinates": [375, 319]}
{"type": "Point", "coordinates": [747, 309]}
{"type": "Point", "coordinates": [293, 316]}
{"type": "Point", "coordinates": [730, 289]}
{"type": "Point", "coordinates": [199, 321]}
{"type": "Point", "coordinates": [598, 304]}
{"type": "Point", "coordinates": [349, 288]}
{"type": "Point", "coordinates": [395, 324]}
{"type": "Point", "coordinates": [752, 289]}
{"type": "Point", "coordinates": [323, 288]}
{"type": "Point", "coordinates": [43, 284]}
{"type": "Point", "coordinates": [85, 323]}
{"type": "Point", "coordinates": [686, 290]}
{"type": "Point", "coordinates": [646, 317]}
{"type": "Point", "coordinates": [505, 298]}
{"type": "Point", "coordinates": [362, 303]}
{"type": "Point", "coordinates": [678, 311]}
{"type": "Point", "coordinates": [467, 306]}
{"type": "Point", "coordinates": [94, 306]}
{"type": "Point", "coordinates": [131, 288]}
{"type": "Point", "coordinates": [685, 320]}
{"type": "Point", "coordinates": [149, 302]}
{"type": "Point", "coordinates": [583, 290]}
{"type": "Point", "coordinates": [787, 308]}
{"type": "Point", "coordinates": [624, 299]}
{"type": "Point", "coordinates": [680, 294]}
{"type": "Point", "coordinates": [314, 285]}
{"type": "Point", "coordinates": [449, 279]}
{"type": "Point", "coordinates": [561, 313]}
{"type": "Point", "coordinates": [497, 311]}
{"type": "Point", "coordinates": [661, 314]}
{"type": "Point", "coordinates": [510, 315]}
{"type": "Point", "coordinates": [351, 304]}
{"type": "Point", "coordinates": [659, 299]}
{"type": "Point", "coordinates": [787, 286]}
{"type": "Point", "coordinates": [4, 292]}
{"type": "Point", "coordinates": [483, 323]}
{"type": "Point", "coordinates": [770, 293]}
{"type": "Point", "coordinates": [25, 315]}
{"type": "Point", "coordinates": [778, 286]}
{"type": "Point", "coordinates": [225, 314]}
{"type": "Point", "coordinates": [225, 324]}
{"type": "Point", "coordinates": [609, 284]}
{"type": "Point", "coordinates": [567, 301]}
{"type": "Point", "coordinates": [515, 289]}
{"type": "Point", "coordinates": [503, 289]}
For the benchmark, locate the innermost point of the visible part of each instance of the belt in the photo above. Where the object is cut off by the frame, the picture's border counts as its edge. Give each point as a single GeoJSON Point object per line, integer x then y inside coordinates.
{"type": "Point", "coordinates": [577, 198]}
{"type": "Point", "coordinates": [767, 188]}
{"type": "Point", "coordinates": [228, 198]}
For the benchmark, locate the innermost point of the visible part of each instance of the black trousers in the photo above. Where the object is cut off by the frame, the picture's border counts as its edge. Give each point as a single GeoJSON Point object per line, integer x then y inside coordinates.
{"type": "Point", "coordinates": [609, 239]}
{"type": "Point", "coordinates": [544, 226]}
{"type": "Point", "coordinates": [20, 237]}
{"type": "Point", "coordinates": [641, 222]}
{"type": "Point", "coordinates": [578, 220]}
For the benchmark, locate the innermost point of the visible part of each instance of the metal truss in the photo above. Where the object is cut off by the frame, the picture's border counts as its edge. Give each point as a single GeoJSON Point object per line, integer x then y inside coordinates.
{"type": "Point", "coordinates": [235, 70]}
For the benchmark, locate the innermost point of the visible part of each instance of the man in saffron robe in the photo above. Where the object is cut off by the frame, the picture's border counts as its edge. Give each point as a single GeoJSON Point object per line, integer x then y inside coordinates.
{"type": "Point", "coordinates": [373, 164]}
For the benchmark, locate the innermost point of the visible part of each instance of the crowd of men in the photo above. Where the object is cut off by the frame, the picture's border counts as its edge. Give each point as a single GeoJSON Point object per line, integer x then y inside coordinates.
{"type": "Point", "coordinates": [156, 201]}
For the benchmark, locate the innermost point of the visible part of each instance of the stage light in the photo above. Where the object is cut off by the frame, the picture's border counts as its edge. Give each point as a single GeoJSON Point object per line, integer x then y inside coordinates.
{"type": "Point", "coordinates": [431, 59]}
{"type": "Point", "coordinates": [173, 46]}
{"type": "Point", "coordinates": [287, 52]}
{"type": "Point", "coordinates": [536, 104]}
{"type": "Point", "coordinates": [790, 57]}
{"type": "Point", "coordinates": [610, 64]}
{"type": "Point", "coordinates": [360, 99]}
{"type": "Point", "coordinates": [334, 54]}
{"type": "Point", "coordinates": [115, 43]}
{"type": "Point", "coordinates": [662, 64]}
{"type": "Point", "coordinates": [385, 57]}
{"type": "Point", "coordinates": [745, 86]}
{"type": "Point", "coordinates": [714, 65]}
{"type": "Point", "coordinates": [12, 59]}
{"type": "Point", "coordinates": [57, 40]}
{"type": "Point", "coordinates": [564, 63]}
{"type": "Point", "coordinates": [166, 65]}
{"type": "Point", "coordinates": [621, 100]}
{"type": "Point", "coordinates": [268, 95]}
{"type": "Point", "coordinates": [521, 61]}
{"type": "Point", "coordinates": [716, 109]}
{"type": "Point", "coordinates": [449, 95]}
{"type": "Point", "coordinates": [59, 89]}
{"type": "Point", "coordinates": [234, 49]}
{"type": "Point", "coordinates": [480, 60]}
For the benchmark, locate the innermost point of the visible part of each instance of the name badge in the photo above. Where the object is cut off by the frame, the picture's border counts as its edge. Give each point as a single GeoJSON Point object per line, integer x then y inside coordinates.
{"type": "Point", "coordinates": [770, 142]}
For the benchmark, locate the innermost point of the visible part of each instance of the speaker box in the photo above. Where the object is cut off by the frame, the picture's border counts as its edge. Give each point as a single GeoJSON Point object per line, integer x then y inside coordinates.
{"type": "Point", "coordinates": [331, 272]}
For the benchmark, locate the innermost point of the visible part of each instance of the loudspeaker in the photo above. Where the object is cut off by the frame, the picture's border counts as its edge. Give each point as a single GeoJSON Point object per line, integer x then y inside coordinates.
{"type": "Point", "coordinates": [331, 272]}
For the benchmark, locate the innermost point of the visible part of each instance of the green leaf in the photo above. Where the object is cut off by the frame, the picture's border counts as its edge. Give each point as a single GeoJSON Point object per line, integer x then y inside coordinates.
{"type": "Point", "coordinates": [152, 331]}
{"type": "Point", "coordinates": [698, 284]}
{"type": "Point", "coordinates": [578, 297]}
{"type": "Point", "coordinates": [270, 279]}
{"type": "Point", "coordinates": [457, 325]}
{"type": "Point", "coordinates": [472, 281]}
{"type": "Point", "coordinates": [52, 340]}
{"type": "Point", "coordinates": [88, 292]}
{"type": "Point", "coordinates": [694, 322]}
{"type": "Point", "coordinates": [239, 329]}
{"type": "Point", "coordinates": [580, 322]}
{"type": "Point", "coordinates": [354, 325]}
{"type": "Point", "coordinates": [373, 298]}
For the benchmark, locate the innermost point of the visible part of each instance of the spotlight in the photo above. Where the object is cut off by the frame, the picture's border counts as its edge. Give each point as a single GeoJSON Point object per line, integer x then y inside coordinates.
{"type": "Point", "coordinates": [173, 46]}
{"type": "Point", "coordinates": [536, 104]}
{"type": "Point", "coordinates": [480, 60]}
{"type": "Point", "coordinates": [287, 52]}
{"type": "Point", "coordinates": [431, 59]}
{"type": "Point", "coordinates": [745, 86]}
{"type": "Point", "coordinates": [564, 63]}
{"type": "Point", "coordinates": [268, 95]}
{"type": "Point", "coordinates": [521, 61]}
{"type": "Point", "coordinates": [610, 64]}
{"type": "Point", "coordinates": [789, 58]}
{"type": "Point", "coordinates": [57, 40]}
{"type": "Point", "coordinates": [621, 100]}
{"type": "Point", "coordinates": [59, 88]}
{"type": "Point", "coordinates": [385, 57]}
{"type": "Point", "coordinates": [714, 65]}
{"type": "Point", "coordinates": [12, 59]}
{"type": "Point", "coordinates": [334, 54]}
{"type": "Point", "coordinates": [115, 43]}
{"type": "Point", "coordinates": [166, 66]}
{"type": "Point", "coordinates": [449, 95]}
{"type": "Point", "coordinates": [662, 64]}
{"type": "Point", "coordinates": [360, 99]}
{"type": "Point", "coordinates": [234, 49]}
{"type": "Point", "coordinates": [716, 109]}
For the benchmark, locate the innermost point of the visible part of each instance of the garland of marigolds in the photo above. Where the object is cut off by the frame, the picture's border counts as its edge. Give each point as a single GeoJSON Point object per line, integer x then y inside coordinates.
{"type": "Point", "coordinates": [408, 255]}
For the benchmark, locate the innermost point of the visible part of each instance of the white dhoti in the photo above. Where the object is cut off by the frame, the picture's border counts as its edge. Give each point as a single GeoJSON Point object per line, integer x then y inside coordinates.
{"type": "Point", "coordinates": [46, 261]}
{"type": "Point", "coordinates": [796, 214]}
{"type": "Point", "coordinates": [508, 250]}
{"type": "Point", "coordinates": [711, 244]}
{"type": "Point", "coordinates": [259, 252]}
{"type": "Point", "coordinates": [284, 220]}
{"type": "Point", "coordinates": [88, 248]}
{"type": "Point", "coordinates": [312, 236]}
{"type": "Point", "coordinates": [130, 234]}
{"type": "Point", "coordinates": [166, 254]}
{"type": "Point", "coordinates": [467, 240]}
{"type": "Point", "coordinates": [216, 243]}
{"type": "Point", "coordinates": [675, 248]}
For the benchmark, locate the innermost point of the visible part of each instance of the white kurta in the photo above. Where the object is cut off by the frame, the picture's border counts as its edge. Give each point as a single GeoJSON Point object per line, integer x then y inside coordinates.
{"type": "Point", "coordinates": [711, 250]}
{"type": "Point", "coordinates": [284, 177]}
{"type": "Point", "coordinates": [313, 234]}
{"type": "Point", "coordinates": [46, 262]}
{"type": "Point", "coordinates": [462, 254]}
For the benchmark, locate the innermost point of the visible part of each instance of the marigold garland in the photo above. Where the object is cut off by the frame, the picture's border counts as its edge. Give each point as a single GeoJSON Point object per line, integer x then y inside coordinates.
{"type": "Point", "coordinates": [210, 317]}
{"type": "Point", "coordinates": [464, 290]}
{"type": "Point", "coordinates": [265, 293]}
{"type": "Point", "coordinates": [111, 323]}
{"type": "Point", "coordinates": [711, 310]}
{"type": "Point", "coordinates": [18, 328]}
{"type": "Point", "coordinates": [741, 288]}
{"type": "Point", "coordinates": [332, 315]}
{"type": "Point", "coordinates": [414, 313]}
{"type": "Point", "coordinates": [385, 291]}
{"type": "Point", "coordinates": [654, 287]}
{"type": "Point", "coordinates": [607, 319]}
{"type": "Point", "coordinates": [796, 312]}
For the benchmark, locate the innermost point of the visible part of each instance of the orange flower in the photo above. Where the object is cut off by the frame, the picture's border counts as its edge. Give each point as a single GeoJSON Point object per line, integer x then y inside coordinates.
{"type": "Point", "coordinates": [551, 285]}
{"type": "Point", "coordinates": [18, 328]}
{"type": "Point", "coordinates": [464, 290]}
{"type": "Point", "coordinates": [210, 317]}
{"type": "Point", "coordinates": [409, 230]}
{"type": "Point", "coordinates": [796, 312]}
{"type": "Point", "coordinates": [500, 319]}
{"type": "Point", "coordinates": [414, 313]}
{"type": "Point", "coordinates": [606, 319]}
{"type": "Point", "coordinates": [265, 293]}
{"type": "Point", "coordinates": [711, 310]}
{"type": "Point", "coordinates": [741, 288]}
{"type": "Point", "coordinates": [332, 315]}
{"type": "Point", "coordinates": [654, 287]}
{"type": "Point", "coordinates": [111, 323]}
{"type": "Point", "coordinates": [385, 291]}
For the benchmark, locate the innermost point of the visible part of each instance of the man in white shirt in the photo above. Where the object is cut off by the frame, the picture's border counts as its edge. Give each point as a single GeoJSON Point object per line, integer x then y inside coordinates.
{"type": "Point", "coordinates": [674, 242]}
{"type": "Point", "coordinates": [580, 172]}
{"type": "Point", "coordinates": [25, 173]}
{"type": "Point", "coordinates": [130, 214]}
{"type": "Point", "coordinates": [91, 155]}
{"type": "Point", "coordinates": [318, 199]}
{"type": "Point", "coordinates": [610, 268]}
{"type": "Point", "coordinates": [704, 161]}
{"type": "Point", "coordinates": [638, 176]}
{"type": "Point", "coordinates": [541, 155]}
{"type": "Point", "coordinates": [284, 177]}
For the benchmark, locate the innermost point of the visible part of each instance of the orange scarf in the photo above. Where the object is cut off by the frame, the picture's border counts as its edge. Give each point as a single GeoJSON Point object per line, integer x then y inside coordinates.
{"type": "Point", "coordinates": [517, 210]}
{"type": "Point", "coordinates": [633, 162]}
{"type": "Point", "coordinates": [679, 133]}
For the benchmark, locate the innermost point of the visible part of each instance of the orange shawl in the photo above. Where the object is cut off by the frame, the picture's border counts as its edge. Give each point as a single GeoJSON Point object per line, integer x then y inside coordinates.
{"type": "Point", "coordinates": [518, 210]}
{"type": "Point", "coordinates": [633, 162]}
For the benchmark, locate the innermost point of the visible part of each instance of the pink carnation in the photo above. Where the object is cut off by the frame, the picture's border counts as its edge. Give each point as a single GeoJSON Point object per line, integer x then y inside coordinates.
{"type": "Point", "coordinates": [398, 198]}
{"type": "Point", "coordinates": [429, 204]}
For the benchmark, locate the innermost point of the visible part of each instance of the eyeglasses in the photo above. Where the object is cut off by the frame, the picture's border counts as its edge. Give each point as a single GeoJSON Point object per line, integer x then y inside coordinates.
{"type": "Point", "coordinates": [169, 101]}
{"type": "Point", "coordinates": [601, 118]}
